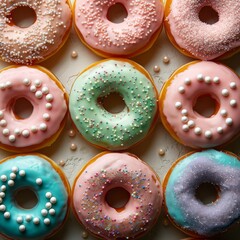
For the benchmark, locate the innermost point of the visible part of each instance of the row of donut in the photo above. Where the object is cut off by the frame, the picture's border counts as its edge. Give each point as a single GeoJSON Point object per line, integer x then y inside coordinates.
{"type": "Point", "coordinates": [122, 130]}
{"type": "Point", "coordinates": [108, 171]}
{"type": "Point", "coordinates": [186, 29]}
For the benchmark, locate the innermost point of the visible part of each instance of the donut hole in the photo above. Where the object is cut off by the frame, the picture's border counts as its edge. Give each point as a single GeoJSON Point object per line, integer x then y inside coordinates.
{"type": "Point", "coordinates": [23, 16]}
{"type": "Point", "coordinates": [22, 108]}
{"type": "Point", "coordinates": [208, 15]}
{"type": "Point", "coordinates": [117, 198]}
{"type": "Point", "coordinates": [117, 13]}
{"type": "Point", "coordinates": [207, 193]}
{"type": "Point", "coordinates": [26, 198]}
{"type": "Point", "coordinates": [113, 102]}
{"type": "Point", "coordinates": [206, 106]}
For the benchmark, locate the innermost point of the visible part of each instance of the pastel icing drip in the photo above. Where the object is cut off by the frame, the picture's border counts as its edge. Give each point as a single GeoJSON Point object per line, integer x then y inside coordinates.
{"type": "Point", "coordinates": [35, 173]}
{"type": "Point", "coordinates": [202, 40]}
{"type": "Point", "coordinates": [117, 170]}
{"type": "Point", "coordinates": [104, 129]}
{"type": "Point", "coordinates": [38, 41]}
{"type": "Point", "coordinates": [186, 210]}
{"type": "Point", "coordinates": [199, 79]}
{"type": "Point", "coordinates": [49, 106]}
{"type": "Point", "coordinates": [143, 21]}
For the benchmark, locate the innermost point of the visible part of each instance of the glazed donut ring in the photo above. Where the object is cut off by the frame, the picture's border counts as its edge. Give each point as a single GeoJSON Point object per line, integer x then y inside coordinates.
{"type": "Point", "coordinates": [136, 34]}
{"type": "Point", "coordinates": [39, 174]}
{"type": "Point", "coordinates": [198, 39]}
{"type": "Point", "coordinates": [180, 93]}
{"type": "Point", "coordinates": [222, 169]}
{"type": "Point", "coordinates": [48, 98]}
{"type": "Point", "coordinates": [39, 41]}
{"type": "Point", "coordinates": [112, 170]}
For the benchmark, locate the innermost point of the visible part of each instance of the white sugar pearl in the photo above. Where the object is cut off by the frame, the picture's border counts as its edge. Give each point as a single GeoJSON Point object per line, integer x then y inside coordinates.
{"type": "Point", "coordinates": [4, 178]}
{"type": "Point", "coordinates": [51, 211]}
{"type": "Point", "coordinates": [45, 90]}
{"type": "Point", "coordinates": [12, 138]}
{"type": "Point", "coordinates": [22, 173]}
{"type": "Point", "coordinates": [233, 85]}
{"type": "Point", "coordinates": [28, 218]}
{"type": "Point", "coordinates": [25, 133]}
{"type": "Point", "coordinates": [3, 188]}
{"type": "Point", "coordinates": [22, 228]}
{"type": "Point", "coordinates": [48, 106]}
{"type": "Point", "coordinates": [184, 119]}
{"type": "Point", "coordinates": [2, 208]}
{"type": "Point", "coordinates": [233, 103]}
{"type": "Point", "coordinates": [178, 105]}
{"type": "Point", "coordinates": [225, 92]}
{"type": "Point", "coordinates": [185, 112]}
{"type": "Point", "coordinates": [1, 114]}
{"type": "Point", "coordinates": [200, 77]}
{"type": "Point", "coordinates": [19, 219]}
{"type": "Point", "coordinates": [2, 86]}
{"type": "Point", "coordinates": [3, 123]}
{"type": "Point", "coordinates": [37, 83]}
{"type": "Point", "coordinates": [2, 194]}
{"type": "Point", "coordinates": [208, 134]}
{"type": "Point", "coordinates": [17, 131]}
{"type": "Point", "coordinates": [46, 221]}
{"type": "Point", "coordinates": [39, 181]}
{"type": "Point", "coordinates": [14, 169]}
{"type": "Point", "coordinates": [8, 84]}
{"type": "Point", "coordinates": [44, 212]}
{"type": "Point", "coordinates": [12, 175]}
{"type": "Point", "coordinates": [26, 82]}
{"type": "Point", "coordinates": [187, 81]}
{"type": "Point", "coordinates": [53, 200]}
{"type": "Point", "coordinates": [191, 124]}
{"type": "Point", "coordinates": [216, 80]}
{"type": "Point", "coordinates": [10, 183]}
{"type": "Point", "coordinates": [48, 205]}
{"type": "Point", "coordinates": [6, 132]}
{"type": "Point", "coordinates": [36, 220]}
{"type": "Point", "coordinates": [48, 195]}
{"type": "Point", "coordinates": [229, 121]}
{"type": "Point", "coordinates": [207, 79]}
{"type": "Point", "coordinates": [185, 128]}
{"type": "Point", "coordinates": [33, 89]}
{"type": "Point", "coordinates": [181, 90]}
{"type": "Point", "coordinates": [7, 215]}
{"type": "Point", "coordinates": [46, 116]}
{"type": "Point", "coordinates": [43, 127]}
{"type": "Point", "coordinates": [38, 94]}
{"type": "Point", "coordinates": [34, 129]}
{"type": "Point", "coordinates": [223, 112]}
{"type": "Point", "coordinates": [49, 97]}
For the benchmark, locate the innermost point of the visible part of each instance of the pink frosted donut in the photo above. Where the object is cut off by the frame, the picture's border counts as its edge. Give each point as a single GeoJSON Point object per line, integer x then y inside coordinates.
{"type": "Point", "coordinates": [180, 93]}
{"type": "Point", "coordinates": [39, 41]}
{"type": "Point", "coordinates": [107, 171]}
{"type": "Point", "coordinates": [134, 35]}
{"type": "Point", "coordinates": [199, 39]}
{"type": "Point", "coordinates": [49, 101]}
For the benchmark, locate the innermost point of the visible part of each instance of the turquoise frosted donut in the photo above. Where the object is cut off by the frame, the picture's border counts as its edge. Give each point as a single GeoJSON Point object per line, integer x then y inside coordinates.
{"type": "Point", "coordinates": [185, 210]}
{"type": "Point", "coordinates": [102, 128]}
{"type": "Point", "coordinates": [39, 174]}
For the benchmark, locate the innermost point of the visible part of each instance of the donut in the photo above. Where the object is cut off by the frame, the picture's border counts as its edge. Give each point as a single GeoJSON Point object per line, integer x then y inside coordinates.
{"type": "Point", "coordinates": [180, 94]}
{"type": "Point", "coordinates": [33, 44]}
{"type": "Point", "coordinates": [48, 98]}
{"type": "Point", "coordinates": [108, 171]}
{"type": "Point", "coordinates": [185, 210]}
{"type": "Point", "coordinates": [197, 38]}
{"type": "Point", "coordinates": [135, 35]}
{"type": "Point", "coordinates": [45, 179]}
{"type": "Point", "coordinates": [108, 130]}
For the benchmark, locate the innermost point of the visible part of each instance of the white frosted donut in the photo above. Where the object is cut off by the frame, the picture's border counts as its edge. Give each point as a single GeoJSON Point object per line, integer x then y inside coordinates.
{"type": "Point", "coordinates": [40, 40]}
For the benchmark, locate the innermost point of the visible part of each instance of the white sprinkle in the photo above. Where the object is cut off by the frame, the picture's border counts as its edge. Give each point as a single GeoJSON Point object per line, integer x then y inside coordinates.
{"type": "Point", "coordinates": [10, 183]}
{"type": "Point", "coordinates": [185, 128]}
{"type": "Point", "coordinates": [26, 82]}
{"type": "Point", "coordinates": [48, 106]}
{"type": "Point", "coordinates": [181, 90]}
{"type": "Point", "coordinates": [34, 129]}
{"type": "Point", "coordinates": [14, 169]}
{"type": "Point", "coordinates": [22, 228]}
{"type": "Point", "coordinates": [25, 133]}
{"type": "Point", "coordinates": [184, 119]}
{"type": "Point", "coordinates": [37, 83]}
{"type": "Point", "coordinates": [233, 103]}
{"type": "Point", "coordinates": [33, 89]}
{"type": "Point", "coordinates": [46, 221]}
{"type": "Point", "coordinates": [2, 86]}
{"type": "Point", "coordinates": [49, 98]}
{"type": "Point", "coordinates": [36, 220]}
{"type": "Point", "coordinates": [185, 112]}
{"type": "Point", "coordinates": [3, 188]}
{"type": "Point", "coordinates": [48, 195]}
{"type": "Point", "coordinates": [19, 219]}
{"type": "Point", "coordinates": [12, 138]}
{"type": "Point", "coordinates": [48, 205]}
{"type": "Point", "coordinates": [208, 134]}
{"type": "Point", "coordinates": [28, 218]}
{"type": "Point", "coordinates": [39, 181]}
{"type": "Point", "coordinates": [38, 94]}
{"type": "Point", "coordinates": [7, 215]}
{"type": "Point", "coordinates": [2, 208]}
{"type": "Point", "coordinates": [191, 124]}
{"type": "Point", "coordinates": [1, 114]}
{"type": "Point", "coordinates": [43, 127]}
{"type": "Point", "coordinates": [200, 77]}
{"type": "Point", "coordinates": [3, 178]}
{"type": "Point", "coordinates": [53, 200]}
{"type": "Point", "coordinates": [8, 84]}
{"type": "Point", "coordinates": [17, 131]}
{"type": "Point", "coordinates": [187, 81]}
{"type": "Point", "coordinates": [229, 121]}
{"type": "Point", "coordinates": [44, 212]}
{"type": "Point", "coordinates": [51, 211]}
{"type": "Point", "coordinates": [207, 79]}
{"type": "Point", "coordinates": [225, 92]}
{"type": "Point", "coordinates": [45, 90]}
{"type": "Point", "coordinates": [3, 123]}
{"type": "Point", "coordinates": [6, 132]}
{"type": "Point", "coordinates": [198, 131]}
{"type": "Point", "coordinates": [22, 173]}
{"type": "Point", "coordinates": [223, 112]}
{"type": "Point", "coordinates": [233, 85]}
{"type": "Point", "coordinates": [2, 194]}
{"type": "Point", "coordinates": [12, 175]}
{"type": "Point", "coordinates": [46, 116]}
{"type": "Point", "coordinates": [178, 105]}
{"type": "Point", "coordinates": [216, 80]}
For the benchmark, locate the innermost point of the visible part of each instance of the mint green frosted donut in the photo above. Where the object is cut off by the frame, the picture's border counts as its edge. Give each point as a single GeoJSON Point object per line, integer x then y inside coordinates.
{"type": "Point", "coordinates": [102, 128]}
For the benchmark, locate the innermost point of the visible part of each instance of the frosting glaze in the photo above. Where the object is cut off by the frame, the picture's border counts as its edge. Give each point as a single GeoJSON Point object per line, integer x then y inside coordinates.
{"type": "Point", "coordinates": [185, 210]}
{"type": "Point", "coordinates": [40, 40]}
{"type": "Point", "coordinates": [111, 170]}
{"type": "Point", "coordinates": [102, 128]}
{"type": "Point", "coordinates": [144, 20]}
{"type": "Point", "coordinates": [199, 39]}
{"type": "Point", "coordinates": [36, 85]}
{"type": "Point", "coordinates": [33, 172]}
{"type": "Point", "coordinates": [182, 90]}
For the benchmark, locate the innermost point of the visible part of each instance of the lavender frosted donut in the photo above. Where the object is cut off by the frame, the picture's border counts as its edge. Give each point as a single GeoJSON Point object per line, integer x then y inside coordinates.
{"type": "Point", "coordinates": [195, 37]}
{"type": "Point", "coordinates": [221, 169]}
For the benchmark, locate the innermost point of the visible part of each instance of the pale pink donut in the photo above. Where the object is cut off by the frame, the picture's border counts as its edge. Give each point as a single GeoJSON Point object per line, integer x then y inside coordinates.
{"type": "Point", "coordinates": [111, 170]}
{"type": "Point", "coordinates": [199, 39]}
{"type": "Point", "coordinates": [49, 101]}
{"type": "Point", "coordinates": [181, 91]}
{"type": "Point", "coordinates": [39, 41]}
{"type": "Point", "coordinates": [139, 29]}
